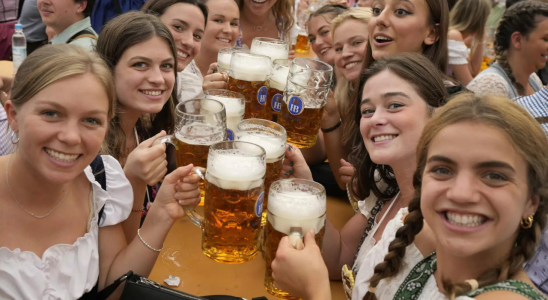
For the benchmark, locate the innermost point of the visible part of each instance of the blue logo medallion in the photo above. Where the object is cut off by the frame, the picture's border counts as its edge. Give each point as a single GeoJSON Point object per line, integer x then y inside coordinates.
{"type": "Point", "coordinates": [229, 135]}
{"type": "Point", "coordinates": [277, 102]}
{"type": "Point", "coordinates": [295, 106]}
{"type": "Point", "coordinates": [261, 95]}
{"type": "Point", "coordinates": [259, 205]}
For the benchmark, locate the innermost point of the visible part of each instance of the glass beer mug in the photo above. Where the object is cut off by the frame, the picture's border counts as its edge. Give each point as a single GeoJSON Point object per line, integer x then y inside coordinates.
{"type": "Point", "coordinates": [225, 55]}
{"type": "Point", "coordinates": [247, 76]}
{"type": "Point", "coordinates": [199, 123]}
{"type": "Point", "coordinates": [276, 87]}
{"type": "Point", "coordinates": [234, 106]}
{"type": "Point", "coordinates": [234, 196]}
{"type": "Point", "coordinates": [305, 96]}
{"type": "Point", "coordinates": [295, 207]}
{"type": "Point", "coordinates": [271, 137]}
{"type": "Point", "coordinates": [273, 48]}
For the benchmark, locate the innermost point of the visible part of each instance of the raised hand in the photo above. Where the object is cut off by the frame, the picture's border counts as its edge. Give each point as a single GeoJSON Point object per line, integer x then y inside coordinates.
{"type": "Point", "coordinates": [215, 80]}
{"type": "Point", "coordinates": [147, 162]}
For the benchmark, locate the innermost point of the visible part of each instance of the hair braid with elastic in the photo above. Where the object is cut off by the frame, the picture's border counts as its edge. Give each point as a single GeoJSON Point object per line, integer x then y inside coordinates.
{"type": "Point", "coordinates": [521, 18]}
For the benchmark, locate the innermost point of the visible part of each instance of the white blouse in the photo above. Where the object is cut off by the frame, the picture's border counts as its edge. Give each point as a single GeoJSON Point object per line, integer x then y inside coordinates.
{"type": "Point", "coordinates": [189, 83]}
{"type": "Point", "coordinates": [68, 271]}
{"type": "Point", "coordinates": [458, 53]}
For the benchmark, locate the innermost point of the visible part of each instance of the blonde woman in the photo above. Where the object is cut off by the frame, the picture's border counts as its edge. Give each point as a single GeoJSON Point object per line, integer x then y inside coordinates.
{"type": "Point", "coordinates": [270, 18]}
{"type": "Point", "coordinates": [467, 21]}
{"type": "Point", "coordinates": [60, 230]}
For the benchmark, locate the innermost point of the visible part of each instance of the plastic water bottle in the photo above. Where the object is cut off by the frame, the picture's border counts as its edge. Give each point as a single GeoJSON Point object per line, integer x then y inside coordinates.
{"type": "Point", "coordinates": [19, 47]}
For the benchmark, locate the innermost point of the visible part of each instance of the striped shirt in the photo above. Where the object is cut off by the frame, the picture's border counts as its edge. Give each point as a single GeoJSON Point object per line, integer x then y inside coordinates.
{"type": "Point", "coordinates": [537, 267]}
{"type": "Point", "coordinates": [6, 146]}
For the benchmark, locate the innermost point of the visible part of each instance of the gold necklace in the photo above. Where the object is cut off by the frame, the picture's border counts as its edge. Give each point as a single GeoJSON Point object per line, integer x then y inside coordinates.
{"type": "Point", "coordinates": [13, 196]}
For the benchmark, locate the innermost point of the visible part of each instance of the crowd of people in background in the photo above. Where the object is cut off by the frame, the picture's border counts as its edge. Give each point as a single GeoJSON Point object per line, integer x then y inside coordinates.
{"type": "Point", "coordinates": [435, 128]}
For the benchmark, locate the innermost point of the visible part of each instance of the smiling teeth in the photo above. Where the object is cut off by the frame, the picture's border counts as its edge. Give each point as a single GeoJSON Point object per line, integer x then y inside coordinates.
{"type": "Point", "coordinates": [182, 54]}
{"type": "Point", "coordinates": [223, 40]}
{"type": "Point", "coordinates": [61, 157]}
{"type": "Point", "coordinates": [324, 50]}
{"type": "Point", "coordinates": [382, 38]}
{"type": "Point", "coordinates": [465, 220]}
{"type": "Point", "coordinates": [152, 93]}
{"type": "Point", "coordinates": [350, 65]}
{"type": "Point", "coordinates": [384, 138]}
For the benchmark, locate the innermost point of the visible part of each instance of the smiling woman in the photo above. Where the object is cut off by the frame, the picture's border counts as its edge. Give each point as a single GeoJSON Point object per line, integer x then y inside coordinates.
{"type": "Point", "coordinates": [142, 54]}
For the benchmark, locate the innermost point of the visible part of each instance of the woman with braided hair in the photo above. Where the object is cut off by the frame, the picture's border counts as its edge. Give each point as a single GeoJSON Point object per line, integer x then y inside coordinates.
{"type": "Point", "coordinates": [521, 48]}
{"type": "Point", "coordinates": [389, 123]}
{"type": "Point", "coordinates": [482, 190]}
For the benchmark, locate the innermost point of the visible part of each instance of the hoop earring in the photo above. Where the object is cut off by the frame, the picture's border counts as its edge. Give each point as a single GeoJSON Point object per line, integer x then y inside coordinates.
{"type": "Point", "coordinates": [527, 223]}
{"type": "Point", "coordinates": [14, 134]}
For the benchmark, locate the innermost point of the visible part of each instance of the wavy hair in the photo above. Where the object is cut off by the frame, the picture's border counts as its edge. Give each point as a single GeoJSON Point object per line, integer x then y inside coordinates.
{"type": "Point", "coordinates": [470, 16]}
{"type": "Point", "coordinates": [511, 119]}
{"type": "Point", "coordinates": [284, 12]}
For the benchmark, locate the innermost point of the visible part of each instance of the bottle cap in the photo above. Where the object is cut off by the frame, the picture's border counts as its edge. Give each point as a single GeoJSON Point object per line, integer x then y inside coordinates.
{"type": "Point", "coordinates": [18, 26]}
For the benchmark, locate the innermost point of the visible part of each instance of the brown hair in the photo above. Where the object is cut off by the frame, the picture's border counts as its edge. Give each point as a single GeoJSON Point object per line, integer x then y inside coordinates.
{"type": "Point", "coordinates": [332, 10]}
{"type": "Point", "coordinates": [344, 88]}
{"type": "Point", "coordinates": [470, 17]}
{"type": "Point", "coordinates": [513, 121]}
{"type": "Point", "coordinates": [283, 10]}
{"type": "Point", "coordinates": [437, 52]}
{"type": "Point", "coordinates": [159, 7]}
{"type": "Point", "coordinates": [116, 37]}
{"type": "Point", "coordinates": [520, 17]}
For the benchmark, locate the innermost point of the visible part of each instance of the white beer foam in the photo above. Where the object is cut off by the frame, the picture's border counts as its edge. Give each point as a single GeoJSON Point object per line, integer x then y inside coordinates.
{"type": "Point", "coordinates": [278, 78]}
{"type": "Point", "coordinates": [272, 145]}
{"type": "Point", "coordinates": [223, 60]}
{"type": "Point", "coordinates": [232, 170]}
{"type": "Point", "coordinates": [250, 68]}
{"type": "Point", "coordinates": [296, 209]}
{"type": "Point", "coordinates": [199, 134]}
{"type": "Point", "coordinates": [233, 106]}
{"type": "Point", "coordinates": [272, 52]}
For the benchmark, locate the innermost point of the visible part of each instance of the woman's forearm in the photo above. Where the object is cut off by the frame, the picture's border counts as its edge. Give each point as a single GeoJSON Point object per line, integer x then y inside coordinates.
{"type": "Point", "coordinates": [476, 60]}
{"type": "Point", "coordinates": [132, 223]}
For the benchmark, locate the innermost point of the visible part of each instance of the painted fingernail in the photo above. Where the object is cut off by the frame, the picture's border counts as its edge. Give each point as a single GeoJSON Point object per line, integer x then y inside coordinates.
{"type": "Point", "coordinates": [291, 170]}
{"type": "Point", "coordinates": [291, 163]}
{"type": "Point", "coordinates": [287, 174]}
{"type": "Point", "coordinates": [289, 148]}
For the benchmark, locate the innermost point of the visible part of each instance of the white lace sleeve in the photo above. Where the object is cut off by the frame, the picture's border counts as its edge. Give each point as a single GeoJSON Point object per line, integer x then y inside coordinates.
{"type": "Point", "coordinates": [489, 84]}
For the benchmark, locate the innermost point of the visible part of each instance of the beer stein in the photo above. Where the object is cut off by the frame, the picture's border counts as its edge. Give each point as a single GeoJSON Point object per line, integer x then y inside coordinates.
{"type": "Point", "coordinates": [247, 76]}
{"type": "Point", "coordinates": [225, 55]}
{"type": "Point", "coordinates": [305, 96]}
{"type": "Point", "coordinates": [295, 207]}
{"type": "Point", "coordinates": [199, 123]}
{"type": "Point", "coordinates": [276, 87]}
{"type": "Point", "coordinates": [234, 106]}
{"type": "Point", "coordinates": [273, 48]}
{"type": "Point", "coordinates": [271, 137]}
{"type": "Point", "coordinates": [233, 206]}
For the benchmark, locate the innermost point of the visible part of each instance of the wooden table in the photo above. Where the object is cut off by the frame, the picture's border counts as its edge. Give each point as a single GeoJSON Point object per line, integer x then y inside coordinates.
{"type": "Point", "coordinates": [6, 68]}
{"type": "Point", "coordinates": [182, 256]}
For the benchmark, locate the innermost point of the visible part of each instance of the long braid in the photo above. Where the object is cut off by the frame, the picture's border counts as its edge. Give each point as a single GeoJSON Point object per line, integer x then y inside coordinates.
{"type": "Point", "coordinates": [518, 18]}
{"type": "Point", "coordinates": [396, 250]}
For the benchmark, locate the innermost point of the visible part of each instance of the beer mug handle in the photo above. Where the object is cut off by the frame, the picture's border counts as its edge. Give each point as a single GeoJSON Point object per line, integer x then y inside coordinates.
{"type": "Point", "coordinates": [189, 210]}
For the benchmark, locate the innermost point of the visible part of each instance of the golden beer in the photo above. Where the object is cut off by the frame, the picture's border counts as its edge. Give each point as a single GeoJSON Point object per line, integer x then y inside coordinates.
{"type": "Point", "coordinates": [302, 45]}
{"type": "Point", "coordinates": [234, 197]}
{"type": "Point", "coordinates": [302, 129]}
{"type": "Point", "coordinates": [247, 76]}
{"type": "Point", "coordinates": [272, 137]}
{"type": "Point", "coordinates": [296, 207]}
{"type": "Point", "coordinates": [250, 90]}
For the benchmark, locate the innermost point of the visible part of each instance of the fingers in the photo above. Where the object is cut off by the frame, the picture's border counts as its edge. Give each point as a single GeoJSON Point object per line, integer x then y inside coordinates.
{"type": "Point", "coordinates": [212, 68]}
{"type": "Point", "coordinates": [345, 163]}
{"type": "Point", "coordinates": [309, 239]}
{"type": "Point", "coordinates": [194, 178]}
{"type": "Point", "coordinates": [148, 143]}
{"type": "Point", "coordinates": [215, 81]}
{"type": "Point", "coordinates": [179, 173]}
{"type": "Point", "coordinates": [158, 173]}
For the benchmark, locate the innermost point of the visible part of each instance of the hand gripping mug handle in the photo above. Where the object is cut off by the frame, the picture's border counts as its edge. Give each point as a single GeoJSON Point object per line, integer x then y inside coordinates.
{"type": "Point", "coordinates": [200, 171]}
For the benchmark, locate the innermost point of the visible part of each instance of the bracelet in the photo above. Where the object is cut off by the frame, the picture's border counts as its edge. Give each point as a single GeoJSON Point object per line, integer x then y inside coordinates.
{"type": "Point", "coordinates": [326, 130]}
{"type": "Point", "coordinates": [146, 244]}
{"type": "Point", "coordinates": [141, 210]}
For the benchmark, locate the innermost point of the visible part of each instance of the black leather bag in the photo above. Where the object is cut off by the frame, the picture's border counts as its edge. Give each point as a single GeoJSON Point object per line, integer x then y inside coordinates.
{"type": "Point", "coordinates": [140, 287]}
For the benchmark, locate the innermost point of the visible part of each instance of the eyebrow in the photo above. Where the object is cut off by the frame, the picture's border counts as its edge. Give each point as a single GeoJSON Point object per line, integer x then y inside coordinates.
{"type": "Point", "coordinates": [60, 107]}
{"type": "Point", "coordinates": [223, 16]}
{"type": "Point", "coordinates": [387, 95]}
{"type": "Point", "coordinates": [482, 165]}
{"type": "Point", "coordinates": [170, 59]}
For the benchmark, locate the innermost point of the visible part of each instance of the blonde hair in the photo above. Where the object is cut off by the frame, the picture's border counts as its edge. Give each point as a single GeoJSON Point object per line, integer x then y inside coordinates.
{"type": "Point", "coordinates": [470, 16]}
{"type": "Point", "coordinates": [344, 88]}
{"type": "Point", "coordinates": [52, 63]}
{"type": "Point", "coordinates": [284, 12]}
